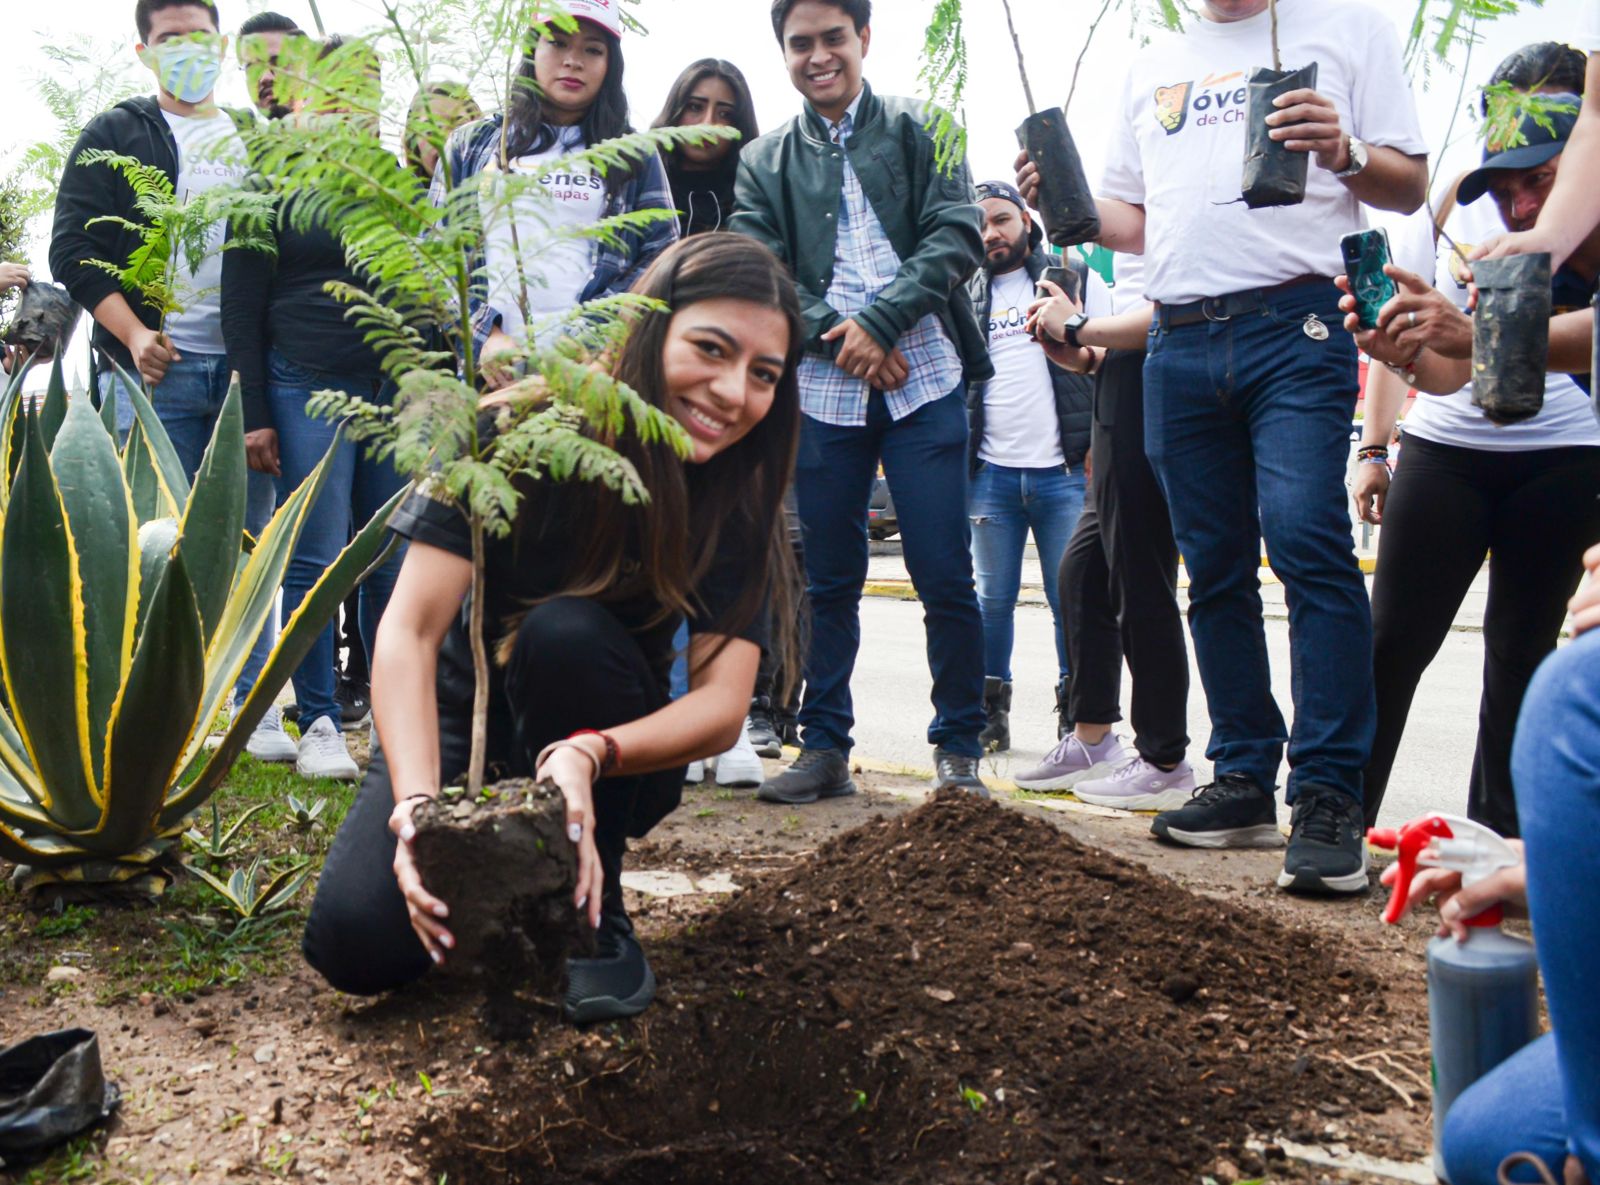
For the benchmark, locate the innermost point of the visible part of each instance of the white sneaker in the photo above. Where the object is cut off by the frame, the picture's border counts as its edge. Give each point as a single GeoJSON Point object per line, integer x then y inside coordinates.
{"type": "Point", "coordinates": [323, 753]}
{"type": "Point", "coordinates": [1136, 785]}
{"type": "Point", "coordinates": [695, 773]}
{"type": "Point", "coordinates": [269, 742]}
{"type": "Point", "coordinates": [740, 765]}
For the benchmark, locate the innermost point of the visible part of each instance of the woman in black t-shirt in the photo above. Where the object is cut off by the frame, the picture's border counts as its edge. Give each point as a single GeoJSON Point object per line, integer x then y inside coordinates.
{"type": "Point", "coordinates": [582, 600]}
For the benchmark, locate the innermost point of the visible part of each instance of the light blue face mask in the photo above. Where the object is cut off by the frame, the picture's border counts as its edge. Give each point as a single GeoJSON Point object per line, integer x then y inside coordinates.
{"type": "Point", "coordinates": [186, 70]}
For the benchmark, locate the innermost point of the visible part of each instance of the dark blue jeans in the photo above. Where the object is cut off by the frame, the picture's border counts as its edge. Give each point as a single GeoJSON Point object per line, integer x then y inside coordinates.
{"type": "Point", "coordinates": [1247, 424]}
{"type": "Point", "coordinates": [357, 488]}
{"type": "Point", "coordinates": [924, 457]}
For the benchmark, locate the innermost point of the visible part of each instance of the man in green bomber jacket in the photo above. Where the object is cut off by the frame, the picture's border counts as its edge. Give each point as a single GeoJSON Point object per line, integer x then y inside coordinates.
{"type": "Point", "coordinates": [881, 243]}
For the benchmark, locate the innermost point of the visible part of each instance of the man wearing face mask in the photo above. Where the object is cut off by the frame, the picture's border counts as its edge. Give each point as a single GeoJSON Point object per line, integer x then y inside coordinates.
{"type": "Point", "coordinates": [182, 360]}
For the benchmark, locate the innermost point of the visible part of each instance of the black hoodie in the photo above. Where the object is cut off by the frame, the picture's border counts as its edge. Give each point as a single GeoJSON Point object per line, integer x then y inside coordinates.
{"type": "Point", "coordinates": [134, 127]}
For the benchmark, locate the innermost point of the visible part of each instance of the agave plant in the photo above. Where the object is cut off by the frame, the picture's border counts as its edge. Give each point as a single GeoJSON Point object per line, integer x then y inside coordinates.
{"type": "Point", "coordinates": [129, 602]}
{"type": "Point", "coordinates": [219, 845]}
{"type": "Point", "coordinates": [245, 894]}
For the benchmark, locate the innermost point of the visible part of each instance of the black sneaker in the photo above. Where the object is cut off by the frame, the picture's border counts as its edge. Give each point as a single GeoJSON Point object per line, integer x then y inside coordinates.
{"type": "Point", "coordinates": [953, 771]}
{"type": "Point", "coordinates": [355, 702]}
{"type": "Point", "coordinates": [996, 734]}
{"type": "Point", "coordinates": [1327, 852]}
{"type": "Point", "coordinates": [760, 729]}
{"type": "Point", "coordinates": [816, 773]}
{"type": "Point", "coordinates": [1232, 812]}
{"type": "Point", "coordinates": [616, 983]}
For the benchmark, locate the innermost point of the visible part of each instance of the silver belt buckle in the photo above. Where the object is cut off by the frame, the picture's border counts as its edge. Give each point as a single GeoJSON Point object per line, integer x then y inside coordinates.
{"type": "Point", "coordinates": [1207, 305]}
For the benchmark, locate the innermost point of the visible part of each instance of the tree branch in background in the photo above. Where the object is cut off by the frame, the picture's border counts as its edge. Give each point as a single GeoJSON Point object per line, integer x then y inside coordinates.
{"type": "Point", "coordinates": [1082, 53]}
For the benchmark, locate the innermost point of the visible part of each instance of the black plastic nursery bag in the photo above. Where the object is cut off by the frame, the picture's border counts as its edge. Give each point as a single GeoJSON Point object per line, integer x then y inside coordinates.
{"type": "Point", "coordinates": [1273, 176]}
{"type": "Point", "coordinates": [45, 314]}
{"type": "Point", "coordinates": [1511, 336]}
{"type": "Point", "coordinates": [1066, 203]}
{"type": "Point", "coordinates": [51, 1088]}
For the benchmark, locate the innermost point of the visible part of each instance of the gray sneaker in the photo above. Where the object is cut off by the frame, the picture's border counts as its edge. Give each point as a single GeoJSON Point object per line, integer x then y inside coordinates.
{"type": "Point", "coordinates": [1072, 761]}
{"type": "Point", "coordinates": [955, 771]}
{"type": "Point", "coordinates": [816, 773]}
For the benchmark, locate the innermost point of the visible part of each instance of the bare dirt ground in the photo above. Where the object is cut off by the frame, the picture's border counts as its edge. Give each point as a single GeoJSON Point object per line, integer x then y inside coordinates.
{"type": "Point", "coordinates": [852, 991]}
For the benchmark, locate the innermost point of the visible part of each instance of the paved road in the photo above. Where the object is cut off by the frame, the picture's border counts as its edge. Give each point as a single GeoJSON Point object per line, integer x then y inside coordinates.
{"type": "Point", "coordinates": [891, 690]}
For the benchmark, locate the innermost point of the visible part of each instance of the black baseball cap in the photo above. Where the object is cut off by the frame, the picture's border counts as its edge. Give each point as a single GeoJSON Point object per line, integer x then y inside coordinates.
{"type": "Point", "coordinates": [1539, 145]}
{"type": "Point", "coordinates": [1009, 192]}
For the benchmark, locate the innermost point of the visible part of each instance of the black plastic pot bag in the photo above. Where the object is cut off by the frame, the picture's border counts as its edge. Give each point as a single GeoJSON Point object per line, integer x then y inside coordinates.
{"type": "Point", "coordinates": [1511, 336]}
{"type": "Point", "coordinates": [51, 1088]}
{"type": "Point", "coordinates": [1066, 203]}
{"type": "Point", "coordinates": [45, 314]}
{"type": "Point", "coordinates": [1273, 176]}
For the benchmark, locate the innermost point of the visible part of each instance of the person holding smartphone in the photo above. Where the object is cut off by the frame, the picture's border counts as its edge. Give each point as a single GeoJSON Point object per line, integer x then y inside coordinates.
{"type": "Point", "coordinates": [1524, 496]}
{"type": "Point", "coordinates": [1249, 394]}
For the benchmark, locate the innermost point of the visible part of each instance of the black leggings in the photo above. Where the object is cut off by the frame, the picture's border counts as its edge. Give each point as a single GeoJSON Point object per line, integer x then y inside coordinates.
{"type": "Point", "coordinates": [574, 666]}
{"type": "Point", "coordinates": [1533, 513]}
{"type": "Point", "coordinates": [1119, 579]}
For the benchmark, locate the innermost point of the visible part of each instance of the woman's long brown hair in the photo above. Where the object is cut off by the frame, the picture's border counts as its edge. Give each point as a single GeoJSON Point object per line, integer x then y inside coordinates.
{"type": "Point", "coordinates": [665, 547]}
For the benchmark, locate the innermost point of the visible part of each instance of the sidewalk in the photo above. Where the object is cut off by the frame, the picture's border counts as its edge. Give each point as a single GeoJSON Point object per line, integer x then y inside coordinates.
{"type": "Point", "coordinates": [887, 577]}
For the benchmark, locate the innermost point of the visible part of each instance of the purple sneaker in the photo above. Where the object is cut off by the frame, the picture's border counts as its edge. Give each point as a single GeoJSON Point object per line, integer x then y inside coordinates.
{"type": "Point", "coordinates": [1136, 785]}
{"type": "Point", "coordinates": [1072, 762]}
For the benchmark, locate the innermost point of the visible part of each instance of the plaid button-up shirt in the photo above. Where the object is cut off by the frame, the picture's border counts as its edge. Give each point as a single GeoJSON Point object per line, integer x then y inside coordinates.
{"type": "Point", "coordinates": [616, 264]}
{"type": "Point", "coordinates": [865, 263]}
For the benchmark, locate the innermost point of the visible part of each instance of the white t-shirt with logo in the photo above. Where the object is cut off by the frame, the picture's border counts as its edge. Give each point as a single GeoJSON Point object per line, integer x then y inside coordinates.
{"type": "Point", "coordinates": [1020, 427]}
{"type": "Point", "coordinates": [1178, 148]}
{"type": "Point", "coordinates": [210, 153]}
{"type": "Point", "coordinates": [555, 264]}
{"type": "Point", "coordinates": [1567, 418]}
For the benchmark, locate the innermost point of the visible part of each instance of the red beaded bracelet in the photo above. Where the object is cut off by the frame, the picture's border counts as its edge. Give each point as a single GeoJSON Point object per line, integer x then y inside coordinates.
{"type": "Point", "coordinates": [613, 756]}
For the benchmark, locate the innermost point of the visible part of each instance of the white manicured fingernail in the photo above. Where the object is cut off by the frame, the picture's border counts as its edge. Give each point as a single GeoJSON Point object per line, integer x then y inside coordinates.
{"type": "Point", "coordinates": [408, 833]}
{"type": "Point", "coordinates": [435, 956]}
{"type": "Point", "coordinates": [582, 901]}
{"type": "Point", "coordinates": [441, 910]}
{"type": "Point", "coordinates": [448, 941]}
{"type": "Point", "coordinates": [575, 832]}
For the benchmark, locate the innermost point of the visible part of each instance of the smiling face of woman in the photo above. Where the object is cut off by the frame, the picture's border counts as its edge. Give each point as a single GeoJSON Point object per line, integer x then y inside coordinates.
{"type": "Point", "coordinates": [722, 362]}
{"type": "Point", "coordinates": [570, 68]}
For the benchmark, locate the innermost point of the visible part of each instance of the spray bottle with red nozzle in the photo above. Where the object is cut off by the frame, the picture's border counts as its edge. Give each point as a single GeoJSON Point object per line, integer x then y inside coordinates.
{"type": "Point", "coordinates": [1483, 992]}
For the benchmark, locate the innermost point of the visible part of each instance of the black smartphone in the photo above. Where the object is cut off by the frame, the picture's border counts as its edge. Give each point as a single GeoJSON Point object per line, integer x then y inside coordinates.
{"type": "Point", "coordinates": [1365, 252]}
{"type": "Point", "coordinates": [1062, 277]}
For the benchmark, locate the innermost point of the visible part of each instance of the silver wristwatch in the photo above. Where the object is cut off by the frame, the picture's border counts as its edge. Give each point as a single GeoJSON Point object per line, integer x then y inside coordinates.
{"type": "Point", "coordinates": [1358, 159]}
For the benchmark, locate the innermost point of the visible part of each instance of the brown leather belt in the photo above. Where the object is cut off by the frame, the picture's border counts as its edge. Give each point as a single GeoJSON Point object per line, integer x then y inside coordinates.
{"type": "Point", "coordinates": [1223, 308]}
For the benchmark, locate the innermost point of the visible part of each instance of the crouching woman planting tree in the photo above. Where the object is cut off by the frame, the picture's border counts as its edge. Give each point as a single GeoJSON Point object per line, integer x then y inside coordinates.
{"type": "Point", "coordinates": [582, 599]}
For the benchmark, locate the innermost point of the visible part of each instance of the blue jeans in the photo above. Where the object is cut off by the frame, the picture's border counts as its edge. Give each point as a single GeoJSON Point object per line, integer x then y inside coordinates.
{"type": "Point", "coordinates": [925, 459]}
{"type": "Point", "coordinates": [187, 403]}
{"type": "Point", "coordinates": [1546, 1099]}
{"type": "Point", "coordinates": [356, 489]}
{"type": "Point", "coordinates": [1004, 505]}
{"type": "Point", "coordinates": [1247, 425]}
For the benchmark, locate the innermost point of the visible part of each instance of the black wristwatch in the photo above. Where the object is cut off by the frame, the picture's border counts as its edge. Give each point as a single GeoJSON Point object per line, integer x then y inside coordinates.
{"type": "Point", "coordinates": [1070, 329]}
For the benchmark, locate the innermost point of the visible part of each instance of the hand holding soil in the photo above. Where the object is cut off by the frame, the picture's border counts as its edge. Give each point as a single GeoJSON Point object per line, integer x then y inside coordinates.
{"type": "Point", "coordinates": [572, 770]}
{"type": "Point", "coordinates": [1307, 122]}
{"type": "Point", "coordinates": [423, 907]}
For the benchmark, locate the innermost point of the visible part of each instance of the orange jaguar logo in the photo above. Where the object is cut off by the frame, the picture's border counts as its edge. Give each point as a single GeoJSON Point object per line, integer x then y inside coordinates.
{"type": "Point", "coordinates": [1172, 106]}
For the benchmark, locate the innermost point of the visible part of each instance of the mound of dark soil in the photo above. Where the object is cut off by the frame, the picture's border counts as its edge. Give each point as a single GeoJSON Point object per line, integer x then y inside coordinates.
{"type": "Point", "coordinates": [961, 994]}
{"type": "Point", "coordinates": [516, 936]}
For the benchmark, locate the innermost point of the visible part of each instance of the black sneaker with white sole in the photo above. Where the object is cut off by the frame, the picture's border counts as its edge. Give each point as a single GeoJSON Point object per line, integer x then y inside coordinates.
{"type": "Point", "coordinates": [1327, 850]}
{"type": "Point", "coordinates": [1232, 812]}
{"type": "Point", "coordinates": [617, 982]}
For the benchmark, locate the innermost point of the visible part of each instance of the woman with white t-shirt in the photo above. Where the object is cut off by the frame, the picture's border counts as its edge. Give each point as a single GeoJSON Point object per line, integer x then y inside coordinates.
{"type": "Point", "coordinates": [538, 261]}
{"type": "Point", "coordinates": [1524, 494]}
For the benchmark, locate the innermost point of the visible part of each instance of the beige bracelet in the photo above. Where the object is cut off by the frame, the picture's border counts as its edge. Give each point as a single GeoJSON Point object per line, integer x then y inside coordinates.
{"type": "Point", "coordinates": [569, 743]}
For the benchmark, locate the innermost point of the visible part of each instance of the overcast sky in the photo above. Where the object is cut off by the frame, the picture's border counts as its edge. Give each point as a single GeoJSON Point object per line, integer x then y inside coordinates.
{"type": "Point", "coordinates": [682, 30]}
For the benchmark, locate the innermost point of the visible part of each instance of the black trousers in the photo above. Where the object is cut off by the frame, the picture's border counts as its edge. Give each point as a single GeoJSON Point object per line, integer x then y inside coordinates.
{"type": "Point", "coordinates": [1533, 513]}
{"type": "Point", "coordinates": [574, 666]}
{"type": "Point", "coordinates": [1119, 579]}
